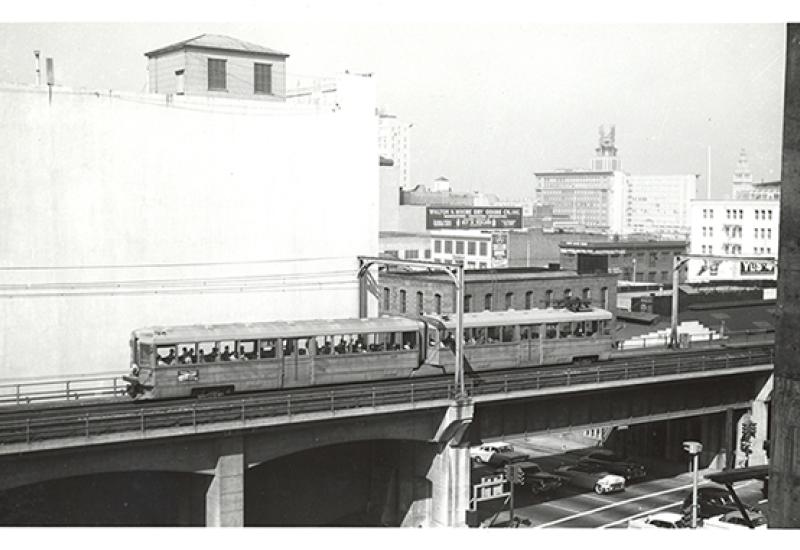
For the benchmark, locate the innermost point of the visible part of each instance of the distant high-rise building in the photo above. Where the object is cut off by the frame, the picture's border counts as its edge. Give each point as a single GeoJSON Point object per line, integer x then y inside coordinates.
{"type": "Point", "coordinates": [742, 177]}
{"type": "Point", "coordinates": [606, 159]}
{"type": "Point", "coordinates": [394, 142]}
{"type": "Point", "coordinates": [608, 201]}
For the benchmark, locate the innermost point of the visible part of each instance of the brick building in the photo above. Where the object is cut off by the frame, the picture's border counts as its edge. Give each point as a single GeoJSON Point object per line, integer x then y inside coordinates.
{"type": "Point", "coordinates": [633, 260]}
{"type": "Point", "coordinates": [493, 289]}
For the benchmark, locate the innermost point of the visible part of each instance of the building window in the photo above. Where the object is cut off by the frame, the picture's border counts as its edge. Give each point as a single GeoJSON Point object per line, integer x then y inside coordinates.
{"type": "Point", "coordinates": [437, 303]}
{"type": "Point", "coordinates": [419, 302]}
{"type": "Point", "coordinates": [755, 232]}
{"type": "Point", "coordinates": [604, 297]}
{"type": "Point", "coordinates": [437, 246]}
{"type": "Point", "coordinates": [467, 303]}
{"type": "Point", "coordinates": [769, 233]}
{"type": "Point", "coordinates": [487, 302]}
{"type": "Point", "coordinates": [402, 301]}
{"type": "Point", "coordinates": [386, 297]}
{"type": "Point", "coordinates": [703, 248]}
{"type": "Point", "coordinates": [412, 254]}
{"type": "Point", "coordinates": [548, 298]}
{"type": "Point", "coordinates": [471, 248]}
{"type": "Point", "coordinates": [704, 231]}
{"type": "Point", "coordinates": [459, 247]}
{"type": "Point", "coordinates": [710, 231]}
{"type": "Point", "coordinates": [448, 247]}
{"type": "Point", "coordinates": [483, 249]}
{"type": "Point", "coordinates": [664, 275]}
{"type": "Point", "coordinates": [529, 299]}
{"type": "Point", "coordinates": [710, 249]}
{"type": "Point", "coordinates": [509, 299]}
{"type": "Point", "coordinates": [567, 293]}
{"type": "Point", "coordinates": [217, 78]}
{"type": "Point", "coordinates": [262, 78]}
{"type": "Point", "coordinates": [769, 214]}
{"type": "Point", "coordinates": [711, 214]}
{"type": "Point", "coordinates": [704, 213]}
{"type": "Point", "coordinates": [427, 253]}
{"type": "Point", "coordinates": [587, 294]}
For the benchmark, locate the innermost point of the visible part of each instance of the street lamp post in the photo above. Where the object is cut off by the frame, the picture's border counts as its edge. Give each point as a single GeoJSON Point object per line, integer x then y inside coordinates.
{"type": "Point", "coordinates": [694, 448]}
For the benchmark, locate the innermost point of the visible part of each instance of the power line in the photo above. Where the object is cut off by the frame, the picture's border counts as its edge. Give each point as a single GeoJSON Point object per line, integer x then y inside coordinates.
{"type": "Point", "coordinates": [160, 265]}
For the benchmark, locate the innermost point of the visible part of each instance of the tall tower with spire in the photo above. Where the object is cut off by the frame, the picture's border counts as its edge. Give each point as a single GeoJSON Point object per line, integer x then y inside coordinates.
{"type": "Point", "coordinates": [606, 159]}
{"type": "Point", "coordinates": [742, 177]}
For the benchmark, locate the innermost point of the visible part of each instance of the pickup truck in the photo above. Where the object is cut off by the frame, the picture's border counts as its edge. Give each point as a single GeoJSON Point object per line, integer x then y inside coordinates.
{"type": "Point", "coordinates": [537, 479]}
{"type": "Point", "coordinates": [496, 454]}
{"type": "Point", "coordinates": [615, 464]}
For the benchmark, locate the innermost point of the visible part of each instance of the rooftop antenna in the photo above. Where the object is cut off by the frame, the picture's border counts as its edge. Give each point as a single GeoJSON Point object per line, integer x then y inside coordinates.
{"type": "Point", "coordinates": [38, 68]}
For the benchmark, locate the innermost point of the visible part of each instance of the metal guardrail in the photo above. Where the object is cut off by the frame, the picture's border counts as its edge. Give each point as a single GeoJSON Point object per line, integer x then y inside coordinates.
{"type": "Point", "coordinates": [41, 391]}
{"type": "Point", "coordinates": [196, 413]}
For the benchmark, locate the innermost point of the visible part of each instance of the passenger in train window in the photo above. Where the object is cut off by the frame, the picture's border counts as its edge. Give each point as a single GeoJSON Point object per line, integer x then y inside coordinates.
{"type": "Point", "coordinates": [341, 347]}
{"type": "Point", "coordinates": [226, 354]}
{"type": "Point", "coordinates": [242, 354]}
{"type": "Point", "coordinates": [214, 355]}
{"type": "Point", "coordinates": [184, 357]}
{"type": "Point", "coordinates": [192, 355]}
{"type": "Point", "coordinates": [168, 359]}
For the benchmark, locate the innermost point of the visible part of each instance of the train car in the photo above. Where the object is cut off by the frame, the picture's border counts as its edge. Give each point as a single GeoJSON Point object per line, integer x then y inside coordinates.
{"type": "Point", "coordinates": [186, 361]}
{"type": "Point", "coordinates": [509, 339]}
{"type": "Point", "coordinates": [190, 361]}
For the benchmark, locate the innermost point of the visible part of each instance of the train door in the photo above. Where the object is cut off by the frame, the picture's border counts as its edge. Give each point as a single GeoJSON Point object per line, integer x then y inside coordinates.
{"type": "Point", "coordinates": [288, 361]}
{"type": "Point", "coordinates": [529, 345]}
{"type": "Point", "coordinates": [432, 345]}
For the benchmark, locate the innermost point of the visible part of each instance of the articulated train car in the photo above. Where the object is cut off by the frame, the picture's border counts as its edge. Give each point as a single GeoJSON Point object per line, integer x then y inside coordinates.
{"type": "Point", "coordinates": [184, 361]}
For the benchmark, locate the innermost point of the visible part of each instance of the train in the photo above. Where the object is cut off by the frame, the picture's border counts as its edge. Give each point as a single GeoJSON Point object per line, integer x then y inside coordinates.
{"type": "Point", "coordinates": [208, 360]}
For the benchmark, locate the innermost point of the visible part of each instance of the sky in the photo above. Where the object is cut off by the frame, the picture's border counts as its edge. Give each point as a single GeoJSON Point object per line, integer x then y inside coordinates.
{"type": "Point", "coordinates": [493, 96]}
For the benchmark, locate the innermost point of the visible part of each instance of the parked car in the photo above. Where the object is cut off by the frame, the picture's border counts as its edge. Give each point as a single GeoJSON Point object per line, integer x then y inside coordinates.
{"type": "Point", "coordinates": [735, 520]}
{"type": "Point", "coordinates": [496, 454]}
{"type": "Point", "coordinates": [712, 501]}
{"type": "Point", "coordinates": [537, 479]}
{"type": "Point", "coordinates": [616, 464]}
{"type": "Point", "coordinates": [591, 476]}
{"type": "Point", "coordinates": [661, 520]}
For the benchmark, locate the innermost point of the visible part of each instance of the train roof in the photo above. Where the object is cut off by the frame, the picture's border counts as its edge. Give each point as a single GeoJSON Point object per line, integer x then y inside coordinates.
{"type": "Point", "coordinates": [527, 317]}
{"type": "Point", "coordinates": [274, 329]}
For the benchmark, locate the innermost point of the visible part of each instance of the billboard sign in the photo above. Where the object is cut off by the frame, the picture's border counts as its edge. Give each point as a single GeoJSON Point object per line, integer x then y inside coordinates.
{"type": "Point", "coordinates": [757, 268]}
{"type": "Point", "coordinates": [499, 249]}
{"type": "Point", "coordinates": [437, 217]}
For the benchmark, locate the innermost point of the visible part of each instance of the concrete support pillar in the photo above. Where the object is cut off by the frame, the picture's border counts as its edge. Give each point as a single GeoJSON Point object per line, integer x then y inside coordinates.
{"type": "Point", "coordinates": [225, 495]}
{"type": "Point", "coordinates": [449, 476]}
{"type": "Point", "coordinates": [760, 415]}
{"type": "Point", "coordinates": [450, 470]}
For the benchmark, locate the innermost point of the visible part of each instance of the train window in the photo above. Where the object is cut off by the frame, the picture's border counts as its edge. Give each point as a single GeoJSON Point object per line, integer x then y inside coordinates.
{"type": "Point", "coordinates": [187, 354]}
{"type": "Point", "coordinates": [246, 350]}
{"type": "Point", "coordinates": [207, 352]}
{"type": "Point", "coordinates": [410, 340]}
{"type": "Point", "coordinates": [508, 334]}
{"type": "Point", "coordinates": [591, 328]}
{"type": "Point", "coordinates": [551, 331]}
{"type": "Point", "coordinates": [288, 345]}
{"type": "Point", "coordinates": [529, 332]}
{"type": "Point", "coordinates": [578, 329]}
{"type": "Point", "coordinates": [166, 355]}
{"type": "Point", "coordinates": [605, 328]}
{"type": "Point", "coordinates": [227, 349]}
{"type": "Point", "coordinates": [564, 330]}
{"type": "Point", "coordinates": [267, 348]}
{"type": "Point", "coordinates": [144, 355]}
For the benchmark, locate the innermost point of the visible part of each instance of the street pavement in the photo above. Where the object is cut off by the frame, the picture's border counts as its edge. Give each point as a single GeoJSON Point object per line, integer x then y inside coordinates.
{"type": "Point", "coordinates": [568, 507]}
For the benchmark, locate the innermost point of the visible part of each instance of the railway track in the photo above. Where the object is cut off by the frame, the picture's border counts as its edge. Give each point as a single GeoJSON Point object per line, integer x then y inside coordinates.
{"type": "Point", "coordinates": [30, 424]}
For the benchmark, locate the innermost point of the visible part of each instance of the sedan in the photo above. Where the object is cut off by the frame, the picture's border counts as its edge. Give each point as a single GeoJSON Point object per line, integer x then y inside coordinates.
{"type": "Point", "coordinates": [735, 521]}
{"type": "Point", "coordinates": [661, 520]}
{"type": "Point", "coordinates": [586, 476]}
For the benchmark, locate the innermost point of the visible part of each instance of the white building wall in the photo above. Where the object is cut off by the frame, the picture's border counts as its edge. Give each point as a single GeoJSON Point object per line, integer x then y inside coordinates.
{"type": "Point", "coordinates": [733, 228]}
{"type": "Point", "coordinates": [454, 246]}
{"type": "Point", "coordinates": [121, 211]}
{"type": "Point", "coordinates": [394, 142]}
{"type": "Point", "coordinates": [658, 204]}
